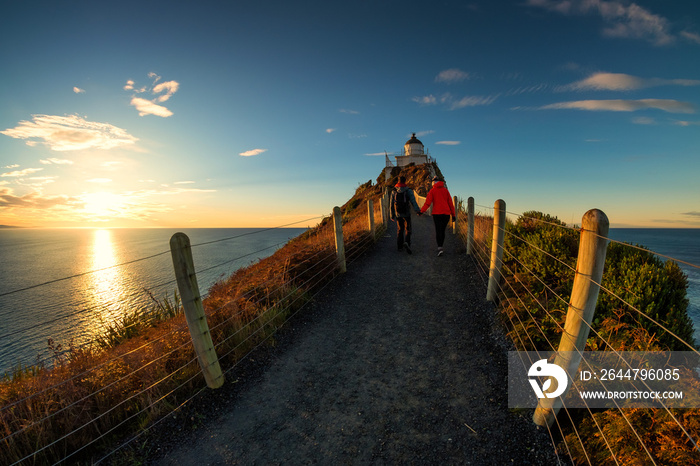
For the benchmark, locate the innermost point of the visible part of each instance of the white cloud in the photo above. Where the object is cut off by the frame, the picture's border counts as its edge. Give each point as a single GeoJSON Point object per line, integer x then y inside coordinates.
{"type": "Point", "coordinates": [64, 133]}
{"type": "Point", "coordinates": [169, 88]}
{"type": "Point", "coordinates": [184, 182]}
{"type": "Point", "coordinates": [349, 112]}
{"type": "Point", "coordinates": [452, 75]}
{"type": "Point", "coordinates": [147, 107]}
{"type": "Point", "coordinates": [17, 173]}
{"type": "Point", "coordinates": [78, 90]}
{"type": "Point", "coordinates": [150, 106]}
{"type": "Point", "coordinates": [251, 153]}
{"type": "Point", "coordinates": [55, 161]}
{"type": "Point", "coordinates": [619, 105]}
{"type": "Point", "coordinates": [330, 130]}
{"type": "Point", "coordinates": [622, 19]}
{"type": "Point", "coordinates": [449, 143]}
{"type": "Point", "coordinates": [625, 82]}
{"type": "Point", "coordinates": [12, 166]}
{"type": "Point", "coordinates": [99, 180]}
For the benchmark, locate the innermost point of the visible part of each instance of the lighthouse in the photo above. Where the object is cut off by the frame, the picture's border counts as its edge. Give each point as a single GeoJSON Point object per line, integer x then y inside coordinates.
{"type": "Point", "coordinates": [413, 152]}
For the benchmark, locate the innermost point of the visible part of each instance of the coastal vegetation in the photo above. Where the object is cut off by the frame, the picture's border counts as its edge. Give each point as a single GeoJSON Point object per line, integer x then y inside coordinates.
{"type": "Point", "coordinates": [639, 292]}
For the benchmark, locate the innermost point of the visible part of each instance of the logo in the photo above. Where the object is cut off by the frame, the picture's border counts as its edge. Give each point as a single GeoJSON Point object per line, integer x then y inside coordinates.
{"type": "Point", "coordinates": [544, 369]}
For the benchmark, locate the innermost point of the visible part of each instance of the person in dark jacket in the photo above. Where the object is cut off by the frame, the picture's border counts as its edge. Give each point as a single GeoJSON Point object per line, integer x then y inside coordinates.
{"type": "Point", "coordinates": [443, 207]}
{"type": "Point", "coordinates": [402, 199]}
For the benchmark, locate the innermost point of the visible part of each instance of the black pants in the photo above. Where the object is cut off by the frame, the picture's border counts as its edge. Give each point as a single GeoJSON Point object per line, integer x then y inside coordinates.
{"type": "Point", "coordinates": [441, 222]}
{"type": "Point", "coordinates": [403, 231]}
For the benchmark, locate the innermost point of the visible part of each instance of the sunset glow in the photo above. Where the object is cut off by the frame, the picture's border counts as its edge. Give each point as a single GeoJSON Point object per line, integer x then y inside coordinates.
{"type": "Point", "coordinates": [263, 114]}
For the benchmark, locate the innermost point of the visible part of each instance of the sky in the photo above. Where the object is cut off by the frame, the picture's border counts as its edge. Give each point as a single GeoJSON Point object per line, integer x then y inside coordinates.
{"type": "Point", "coordinates": [267, 113]}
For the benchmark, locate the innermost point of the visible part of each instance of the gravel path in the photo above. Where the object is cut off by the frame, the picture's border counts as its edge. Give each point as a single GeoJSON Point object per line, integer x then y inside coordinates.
{"type": "Point", "coordinates": [397, 361]}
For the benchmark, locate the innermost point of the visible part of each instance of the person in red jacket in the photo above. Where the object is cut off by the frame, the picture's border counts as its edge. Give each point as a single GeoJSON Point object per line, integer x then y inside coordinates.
{"type": "Point", "coordinates": [443, 207]}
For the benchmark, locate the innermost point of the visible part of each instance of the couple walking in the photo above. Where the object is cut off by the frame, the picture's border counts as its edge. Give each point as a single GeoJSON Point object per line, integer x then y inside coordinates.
{"type": "Point", "coordinates": [402, 199]}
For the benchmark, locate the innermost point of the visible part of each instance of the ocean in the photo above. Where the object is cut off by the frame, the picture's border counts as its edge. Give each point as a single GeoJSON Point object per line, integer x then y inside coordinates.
{"type": "Point", "coordinates": [67, 284]}
{"type": "Point", "coordinates": [682, 244]}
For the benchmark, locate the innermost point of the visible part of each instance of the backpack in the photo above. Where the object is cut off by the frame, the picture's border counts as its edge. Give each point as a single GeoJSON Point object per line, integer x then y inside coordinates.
{"type": "Point", "coordinates": [401, 203]}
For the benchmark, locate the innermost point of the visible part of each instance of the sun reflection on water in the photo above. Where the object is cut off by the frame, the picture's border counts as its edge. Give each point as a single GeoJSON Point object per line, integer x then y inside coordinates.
{"type": "Point", "coordinates": [106, 282]}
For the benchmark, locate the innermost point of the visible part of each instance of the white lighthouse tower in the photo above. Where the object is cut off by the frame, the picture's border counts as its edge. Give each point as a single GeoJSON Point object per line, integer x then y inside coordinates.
{"type": "Point", "coordinates": [413, 152]}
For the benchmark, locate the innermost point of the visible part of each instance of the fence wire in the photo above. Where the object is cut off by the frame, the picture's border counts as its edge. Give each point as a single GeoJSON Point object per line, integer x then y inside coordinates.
{"type": "Point", "coordinates": [482, 247]}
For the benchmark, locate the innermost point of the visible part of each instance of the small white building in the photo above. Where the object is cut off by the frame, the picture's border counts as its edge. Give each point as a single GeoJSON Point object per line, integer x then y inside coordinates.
{"type": "Point", "coordinates": [413, 152]}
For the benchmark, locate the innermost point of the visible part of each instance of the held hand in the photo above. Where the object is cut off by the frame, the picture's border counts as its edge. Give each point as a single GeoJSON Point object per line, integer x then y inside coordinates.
{"type": "Point", "coordinates": [454, 219]}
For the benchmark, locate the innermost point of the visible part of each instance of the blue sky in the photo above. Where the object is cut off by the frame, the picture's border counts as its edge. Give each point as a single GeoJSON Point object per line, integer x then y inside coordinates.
{"type": "Point", "coordinates": [232, 114]}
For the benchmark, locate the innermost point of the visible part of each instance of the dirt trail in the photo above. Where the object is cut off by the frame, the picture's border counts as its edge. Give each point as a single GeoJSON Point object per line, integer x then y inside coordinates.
{"type": "Point", "coordinates": [397, 361]}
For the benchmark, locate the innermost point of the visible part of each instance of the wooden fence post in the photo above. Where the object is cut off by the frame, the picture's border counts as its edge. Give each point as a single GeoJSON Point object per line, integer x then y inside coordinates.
{"type": "Point", "coordinates": [470, 229]}
{"type": "Point", "coordinates": [183, 264]}
{"type": "Point", "coordinates": [370, 216]}
{"type": "Point", "coordinates": [339, 243]}
{"type": "Point", "coordinates": [584, 295]}
{"type": "Point", "coordinates": [499, 224]}
{"type": "Point", "coordinates": [454, 223]}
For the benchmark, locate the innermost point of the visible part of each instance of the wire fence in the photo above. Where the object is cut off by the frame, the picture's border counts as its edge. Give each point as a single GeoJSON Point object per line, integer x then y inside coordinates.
{"type": "Point", "coordinates": [641, 307]}
{"type": "Point", "coordinates": [140, 367]}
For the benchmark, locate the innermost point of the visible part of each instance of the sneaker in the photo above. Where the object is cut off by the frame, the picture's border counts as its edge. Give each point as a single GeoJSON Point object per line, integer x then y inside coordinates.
{"type": "Point", "coordinates": [407, 247]}
{"type": "Point", "coordinates": [440, 252]}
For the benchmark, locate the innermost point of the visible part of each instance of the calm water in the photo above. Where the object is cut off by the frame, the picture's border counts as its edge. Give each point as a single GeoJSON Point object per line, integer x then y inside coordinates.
{"type": "Point", "coordinates": [681, 244]}
{"type": "Point", "coordinates": [78, 307]}
{"type": "Point", "coordinates": [98, 292]}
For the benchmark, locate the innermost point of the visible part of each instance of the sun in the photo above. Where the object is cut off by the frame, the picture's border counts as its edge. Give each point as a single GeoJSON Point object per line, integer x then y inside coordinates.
{"type": "Point", "coordinates": [103, 206]}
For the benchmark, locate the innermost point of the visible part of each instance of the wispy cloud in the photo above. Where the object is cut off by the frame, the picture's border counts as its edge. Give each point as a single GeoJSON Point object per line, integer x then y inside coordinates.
{"type": "Point", "coordinates": [618, 105]}
{"type": "Point", "coordinates": [455, 103]}
{"type": "Point", "coordinates": [162, 92]}
{"type": "Point", "coordinates": [691, 214]}
{"type": "Point", "coordinates": [449, 143]}
{"type": "Point", "coordinates": [622, 19]}
{"type": "Point", "coordinates": [624, 82]}
{"type": "Point", "coordinates": [99, 180]}
{"type": "Point", "coordinates": [644, 121]}
{"type": "Point", "coordinates": [78, 90]}
{"type": "Point", "coordinates": [348, 111]}
{"type": "Point", "coordinates": [55, 161]}
{"type": "Point", "coordinates": [426, 100]}
{"type": "Point", "coordinates": [18, 173]}
{"type": "Point", "coordinates": [453, 75]}
{"type": "Point", "coordinates": [330, 130]}
{"type": "Point", "coordinates": [691, 36]}
{"type": "Point", "coordinates": [687, 123]}
{"type": "Point", "coordinates": [252, 153]}
{"type": "Point", "coordinates": [33, 200]}
{"type": "Point", "coordinates": [65, 133]}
